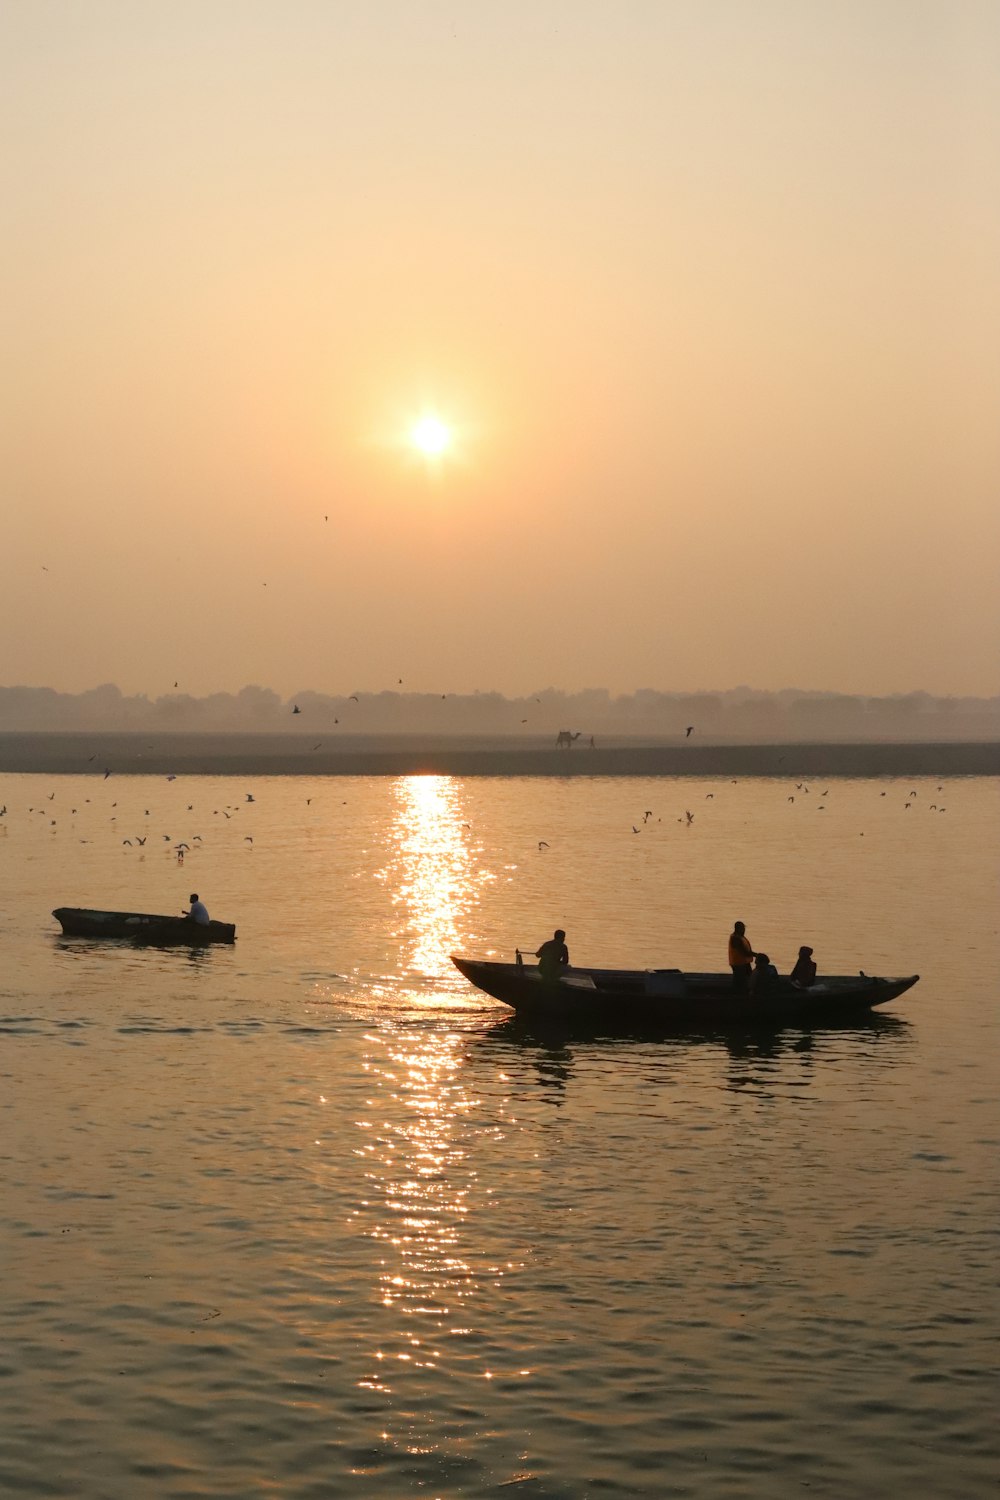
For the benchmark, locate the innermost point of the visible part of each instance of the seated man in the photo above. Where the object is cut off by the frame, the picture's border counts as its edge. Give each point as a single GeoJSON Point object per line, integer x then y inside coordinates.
{"type": "Point", "coordinates": [765, 975]}
{"type": "Point", "coordinates": [804, 973]}
{"type": "Point", "coordinates": [553, 956]}
{"type": "Point", "coordinates": [198, 912]}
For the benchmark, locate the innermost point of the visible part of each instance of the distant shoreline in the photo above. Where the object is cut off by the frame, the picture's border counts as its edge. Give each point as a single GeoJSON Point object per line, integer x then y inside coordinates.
{"type": "Point", "coordinates": [408, 755]}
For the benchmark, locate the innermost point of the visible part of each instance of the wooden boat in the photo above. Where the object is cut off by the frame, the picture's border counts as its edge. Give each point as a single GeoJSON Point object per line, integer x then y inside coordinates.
{"type": "Point", "coordinates": [141, 927]}
{"type": "Point", "coordinates": [668, 997]}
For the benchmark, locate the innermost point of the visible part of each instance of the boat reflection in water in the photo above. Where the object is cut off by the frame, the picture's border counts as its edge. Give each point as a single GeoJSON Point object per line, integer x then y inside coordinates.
{"type": "Point", "coordinates": [796, 1055]}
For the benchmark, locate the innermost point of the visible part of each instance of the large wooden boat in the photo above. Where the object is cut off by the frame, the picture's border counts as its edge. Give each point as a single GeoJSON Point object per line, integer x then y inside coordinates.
{"type": "Point", "coordinates": [141, 927]}
{"type": "Point", "coordinates": [668, 997]}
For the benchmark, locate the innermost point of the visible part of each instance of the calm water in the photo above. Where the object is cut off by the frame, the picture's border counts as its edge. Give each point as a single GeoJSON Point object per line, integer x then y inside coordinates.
{"type": "Point", "coordinates": [310, 1218]}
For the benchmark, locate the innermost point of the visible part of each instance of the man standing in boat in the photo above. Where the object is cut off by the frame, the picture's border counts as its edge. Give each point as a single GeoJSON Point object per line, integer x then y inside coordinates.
{"type": "Point", "coordinates": [553, 957]}
{"type": "Point", "coordinates": [198, 912]}
{"type": "Point", "coordinates": [741, 957]}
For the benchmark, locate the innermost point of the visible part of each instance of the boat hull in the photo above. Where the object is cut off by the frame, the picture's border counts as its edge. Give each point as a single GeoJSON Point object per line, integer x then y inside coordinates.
{"type": "Point", "coordinates": [141, 927]}
{"type": "Point", "coordinates": [667, 998]}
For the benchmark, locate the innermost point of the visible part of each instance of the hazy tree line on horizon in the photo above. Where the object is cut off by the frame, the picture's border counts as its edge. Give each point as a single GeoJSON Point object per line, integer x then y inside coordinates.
{"type": "Point", "coordinates": [740, 713]}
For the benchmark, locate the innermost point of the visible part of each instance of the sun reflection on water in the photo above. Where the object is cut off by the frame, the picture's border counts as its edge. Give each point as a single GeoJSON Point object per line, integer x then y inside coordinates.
{"type": "Point", "coordinates": [427, 1215]}
{"type": "Point", "coordinates": [435, 881]}
{"type": "Point", "coordinates": [423, 1208]}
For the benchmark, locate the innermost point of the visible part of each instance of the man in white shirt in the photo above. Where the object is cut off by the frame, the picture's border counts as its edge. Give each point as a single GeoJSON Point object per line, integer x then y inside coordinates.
{"type": "Point", "coordinates": [199, 911]}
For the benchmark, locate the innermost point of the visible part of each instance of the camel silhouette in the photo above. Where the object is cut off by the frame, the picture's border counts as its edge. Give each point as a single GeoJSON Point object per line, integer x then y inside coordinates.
{"type": "Point", "coordinates": [565, 739]}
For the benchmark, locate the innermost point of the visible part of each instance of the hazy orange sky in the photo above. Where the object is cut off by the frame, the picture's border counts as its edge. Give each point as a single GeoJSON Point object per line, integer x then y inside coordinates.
{"type": "Point", "coordinates": [707, 292]}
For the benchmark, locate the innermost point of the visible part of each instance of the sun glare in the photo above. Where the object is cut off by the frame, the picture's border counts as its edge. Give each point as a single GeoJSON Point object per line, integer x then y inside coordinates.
{"type": "Point", "coordinates": [430, 436]}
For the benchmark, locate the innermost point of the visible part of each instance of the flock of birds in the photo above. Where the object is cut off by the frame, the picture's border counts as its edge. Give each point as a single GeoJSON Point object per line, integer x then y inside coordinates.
{"type": "Point", "coordinates": [800, 786]}
{"type": "Point", "coordinates": [176, 847]}
{"type": "Point", "coordinates": [180, 848]}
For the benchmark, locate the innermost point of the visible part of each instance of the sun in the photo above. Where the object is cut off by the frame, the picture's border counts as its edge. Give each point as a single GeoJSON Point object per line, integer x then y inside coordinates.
{"type": "Point", "coordinates": [430, 436]}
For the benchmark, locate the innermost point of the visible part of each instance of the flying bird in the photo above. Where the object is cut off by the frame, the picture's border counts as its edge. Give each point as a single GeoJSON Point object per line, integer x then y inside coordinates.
{"type": "Point", "coordinates": [687, 732]}
{"type": "Point", "coordinates": [542, 844]}
{"type": "Point", "coordinates": [690, 818]}
{"type": "Point", "coordinates": [106, 775]}
{"type": "Point", "coordinates": [353, 698]}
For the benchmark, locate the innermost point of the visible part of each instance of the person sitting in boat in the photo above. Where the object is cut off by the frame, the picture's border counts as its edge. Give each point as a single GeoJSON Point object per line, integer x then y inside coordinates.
{"type": "Point", "coordinates": [765, 975]}
{"type": "Point", "coordinates": [198, 912]}
{"type": "Point", "coordinates": [804, 973]}
{"type": "Point", "coordinates": [741, 957]}
{"type": "Point", "coordinates": [553, 956]}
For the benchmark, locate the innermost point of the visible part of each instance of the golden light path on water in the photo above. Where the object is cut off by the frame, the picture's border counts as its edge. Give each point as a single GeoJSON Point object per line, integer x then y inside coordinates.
{"type": "Point", "coordinates": [434, 879]}
{"type": "Point", "coordinates": [421, 1183]}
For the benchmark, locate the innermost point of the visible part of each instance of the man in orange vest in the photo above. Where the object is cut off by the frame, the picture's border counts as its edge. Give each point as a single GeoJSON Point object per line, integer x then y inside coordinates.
{"type": "Point", "coordinates": [741, 957]}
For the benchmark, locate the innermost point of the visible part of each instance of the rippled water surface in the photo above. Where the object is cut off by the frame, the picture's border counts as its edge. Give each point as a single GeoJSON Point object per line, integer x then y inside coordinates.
{"type": "Point", "coordinates": [309, 1217]}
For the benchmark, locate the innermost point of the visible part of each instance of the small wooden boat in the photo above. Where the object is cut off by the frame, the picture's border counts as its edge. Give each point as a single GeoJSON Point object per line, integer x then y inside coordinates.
{"type": "Point", "coordinates": [668, 997]}
{"type": "Point", "coordinates": [141, 927]}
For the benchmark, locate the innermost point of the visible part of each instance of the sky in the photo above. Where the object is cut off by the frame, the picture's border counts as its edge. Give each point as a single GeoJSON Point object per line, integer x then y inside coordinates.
{"type": "Point", "coordinates": [703, 294]}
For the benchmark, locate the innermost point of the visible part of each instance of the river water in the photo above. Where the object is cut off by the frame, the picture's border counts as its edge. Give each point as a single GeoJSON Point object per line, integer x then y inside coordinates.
{"type": "Point", "coordinates": [310, 1218]}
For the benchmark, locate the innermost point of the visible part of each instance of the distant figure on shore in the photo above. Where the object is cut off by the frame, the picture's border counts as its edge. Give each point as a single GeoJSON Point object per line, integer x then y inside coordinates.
{"type": "Point", "coordinates": [553, 956]}
{"type": "Point", "coordinates": [741, 957]}
{"type": "Point", "coordinates": [199, 911]}
{"type": "Point", "coordinates": [765, 975]}
{"type": "Point", "coordinates": [804, 973]}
